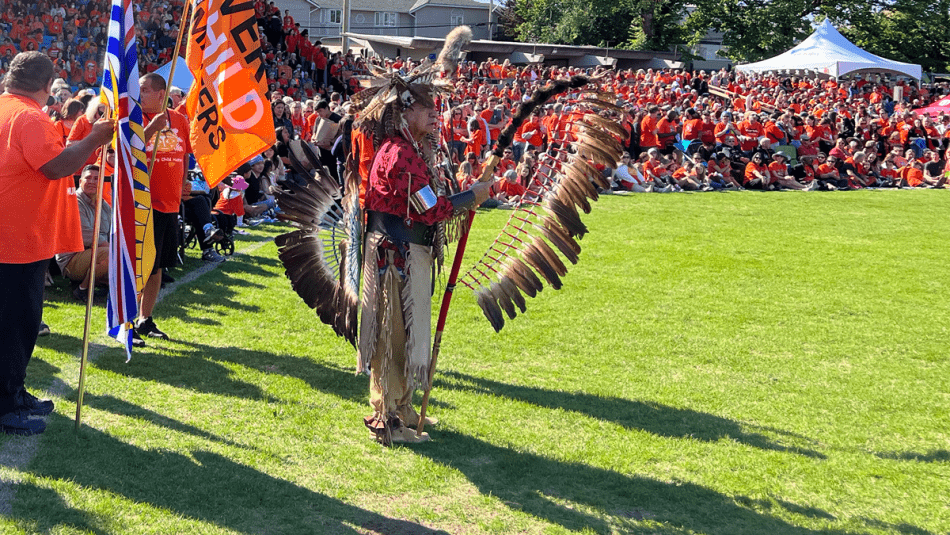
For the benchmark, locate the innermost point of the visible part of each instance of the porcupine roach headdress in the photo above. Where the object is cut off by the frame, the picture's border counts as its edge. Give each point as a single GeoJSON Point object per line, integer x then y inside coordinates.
{"type": "Point", "coordinates": [546, 220]}
{"type": "Point", "coordinates": [322, 258]}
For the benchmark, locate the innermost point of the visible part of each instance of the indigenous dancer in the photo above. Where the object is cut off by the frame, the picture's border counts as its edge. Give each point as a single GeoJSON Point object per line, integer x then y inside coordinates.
{"type": "Point", "coordinates": [407, 212]}
{"type": "Point", "coordinates": [404, 205]}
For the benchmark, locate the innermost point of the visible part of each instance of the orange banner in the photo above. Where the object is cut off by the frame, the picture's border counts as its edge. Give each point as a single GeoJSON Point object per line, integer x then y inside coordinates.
{"type": "Point", "coordinates": [231, 122]}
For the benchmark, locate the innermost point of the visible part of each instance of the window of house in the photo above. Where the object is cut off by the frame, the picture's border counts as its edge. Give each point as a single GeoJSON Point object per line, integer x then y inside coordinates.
{"type": "Point", "coordinates": [384, 18]}
{"type": "Point", "coordinates": [335, 16]}
{"type": "Point", "coordinates": [458, 19]}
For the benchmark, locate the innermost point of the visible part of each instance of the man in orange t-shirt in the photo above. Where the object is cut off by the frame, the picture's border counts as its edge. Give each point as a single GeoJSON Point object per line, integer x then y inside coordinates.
{"type": "Point", "coordinates": [39, 217]}
{"type": "Point", "coordinates": [169, 133]}
{"type": "Point", "coordinates": [648, 129]}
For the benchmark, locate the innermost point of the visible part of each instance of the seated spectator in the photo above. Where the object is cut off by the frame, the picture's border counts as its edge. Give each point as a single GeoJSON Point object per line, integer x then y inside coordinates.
{"type": "Point", "coordinates": [778, 170]}
{"type": "Point", "coordinates": [197, 213]}
{"type": "Point", "coordinates": [757, 175]}
{"type": "Point", "coordinates": [827, 174]}
{"type": "Point", "coordinates": [229, 210]}
{"type": "Point", "coordinates": [719, 169]}
{"type": "Point", "coordinates": [856, 171]}
{"type": "Point", "coordinates": [934, 175]}
{"type": "Point", "coordinates": [629, 178]}
{"type": "Point", "coordinates": [76, 266]}
{"type": "Point", "coordinates": [259, 195]}
{"type": "Point", "coordinates": [506, 163]}
{"type": "Point", "coordinates": [507, 190]}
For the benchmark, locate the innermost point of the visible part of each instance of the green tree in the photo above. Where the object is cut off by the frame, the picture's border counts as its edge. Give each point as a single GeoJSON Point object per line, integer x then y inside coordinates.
{"type": "Point", "coordinates": [640, 24]}
{"type": "Point", "coordinates": [905, 30]}
{"type": "Point", "coordinates": [657, 25]}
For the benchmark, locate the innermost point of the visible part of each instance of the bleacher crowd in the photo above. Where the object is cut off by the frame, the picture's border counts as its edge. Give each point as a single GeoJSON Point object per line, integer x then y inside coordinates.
{"type": "Point", "coordinates": [687, 130]}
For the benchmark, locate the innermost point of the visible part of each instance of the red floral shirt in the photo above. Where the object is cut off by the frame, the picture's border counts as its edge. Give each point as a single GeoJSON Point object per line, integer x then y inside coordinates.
{"type": "Point", "coordinates": [395, 167]}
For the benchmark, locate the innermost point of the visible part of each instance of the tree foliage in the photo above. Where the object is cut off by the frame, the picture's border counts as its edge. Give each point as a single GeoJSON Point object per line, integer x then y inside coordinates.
{"type": "Point", "coordinates": [905, 30]}
{"type": "Point", "coordinates": [914, 31]}
{"type": "Point", "coordinates": [642, 24]}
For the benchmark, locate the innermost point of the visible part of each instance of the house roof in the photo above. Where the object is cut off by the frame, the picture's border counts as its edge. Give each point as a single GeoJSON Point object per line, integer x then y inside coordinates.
{"type": "Point", "coordinates": [400, 6]}
{"type": "Point", "coordinates": [464, 4]}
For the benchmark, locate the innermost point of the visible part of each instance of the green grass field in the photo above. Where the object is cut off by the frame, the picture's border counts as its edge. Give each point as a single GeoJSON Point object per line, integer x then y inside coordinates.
{"type": "Point", "coordinates": [722, 364]}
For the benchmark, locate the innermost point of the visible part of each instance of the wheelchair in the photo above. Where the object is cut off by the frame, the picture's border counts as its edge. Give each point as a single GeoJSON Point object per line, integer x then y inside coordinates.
{"type": "Point", "coordinates": [188, 233]}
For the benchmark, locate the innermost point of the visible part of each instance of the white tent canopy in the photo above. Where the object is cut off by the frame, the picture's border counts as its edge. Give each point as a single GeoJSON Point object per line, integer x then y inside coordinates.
{"type": "Point", "coordinates": [828, 52]}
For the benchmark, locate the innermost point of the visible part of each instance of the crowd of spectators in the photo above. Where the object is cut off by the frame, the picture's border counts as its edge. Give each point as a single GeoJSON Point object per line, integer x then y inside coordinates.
{"type": "Point", "coordinates": [687, 130]}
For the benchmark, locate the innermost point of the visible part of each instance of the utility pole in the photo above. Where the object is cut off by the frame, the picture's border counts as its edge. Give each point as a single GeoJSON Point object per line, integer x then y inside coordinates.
{"type": "Point", "coordinates": [345, 27]}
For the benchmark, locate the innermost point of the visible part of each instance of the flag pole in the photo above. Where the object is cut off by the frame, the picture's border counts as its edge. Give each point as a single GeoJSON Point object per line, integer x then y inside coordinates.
{"type": "Point", "coordinates": [487, 172]}
{"type": "Point", "coordinates": [91, 283]}
{"type": "Point", "coordinates": [186, 13]}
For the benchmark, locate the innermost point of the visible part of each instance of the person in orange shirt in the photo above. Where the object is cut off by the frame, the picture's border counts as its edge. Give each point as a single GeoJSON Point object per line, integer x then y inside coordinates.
{"type": "Point", "coordinates": [725, 128]}
{"type": "Point", "coordinates": [749, 132]}
{"type": "Point", "coordinates": [757, 174]}
{"type": "Point", "coordinates": [778, 170]}
{"type": "Point", "coordinates": [666, 132]}
{"type": "Point", "coordinates": [475, 140]}
{"type": "Point", "coordinates": [648, 129]}
{"type": "Point", "coordinates": [40, 219]}
{"type": "Point", "coordinates": [692, 126]}
{"type": "Point", "coordinates": [167, 136]}
{"type": "Point", "coordinates": [827, 174]}
{"type": "Point", "coordinates": [912, 176]}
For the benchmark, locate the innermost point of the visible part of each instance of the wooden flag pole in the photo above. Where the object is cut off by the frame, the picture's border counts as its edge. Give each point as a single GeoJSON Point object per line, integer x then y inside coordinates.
{"type": "Point", "coordinates": [91, 282]}
{"type": "Point", "coordinates": [186, 13]}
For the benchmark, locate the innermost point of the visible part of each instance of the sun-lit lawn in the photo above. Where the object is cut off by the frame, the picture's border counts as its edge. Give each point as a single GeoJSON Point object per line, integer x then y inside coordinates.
{"type": "Point", "coordinates": [723, 364]}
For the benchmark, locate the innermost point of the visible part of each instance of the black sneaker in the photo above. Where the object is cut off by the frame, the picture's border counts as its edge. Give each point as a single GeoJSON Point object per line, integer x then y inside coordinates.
{"type": "Point", "coordinates": [147, 327]}
{"type": "Point", "coordinates": [44, 329]}
{"type": "Point", "coordinates": [18, 422]}
{"type": "Point", "coordinates": [32, 405]}
{"type": "Point", "coordinates": [210, 255]}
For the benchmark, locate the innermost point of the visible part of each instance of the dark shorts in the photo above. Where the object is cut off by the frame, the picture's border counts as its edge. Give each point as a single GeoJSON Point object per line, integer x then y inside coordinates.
{"type": "Point", "coordinates": [165, 228]}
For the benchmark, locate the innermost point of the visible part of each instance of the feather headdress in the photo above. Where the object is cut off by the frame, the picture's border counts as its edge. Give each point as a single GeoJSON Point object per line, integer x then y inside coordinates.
{"type": "Point", "coordinates": [389, 95]}
{"type": "Point", "coordinates": [322, 256]}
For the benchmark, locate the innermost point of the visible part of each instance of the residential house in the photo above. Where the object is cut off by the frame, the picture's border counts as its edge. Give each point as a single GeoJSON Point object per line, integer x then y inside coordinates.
{"type": "Point", "coordinates": [400, 18]}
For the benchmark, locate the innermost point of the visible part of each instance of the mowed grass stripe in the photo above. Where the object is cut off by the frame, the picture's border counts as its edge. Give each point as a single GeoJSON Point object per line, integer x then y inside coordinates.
{"type": "Point", "coordinates": [716, 363]}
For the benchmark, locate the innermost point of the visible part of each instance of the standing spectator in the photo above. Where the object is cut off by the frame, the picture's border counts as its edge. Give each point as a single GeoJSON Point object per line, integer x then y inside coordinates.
{"type": "Point", "coordinates": [282, 116]}
{"type": "Point", "coordinates": [167, 134]}
{"type": "Point", "coordinates": [648, 129]}
{"type": "Point", "coordinates": [40, 219]}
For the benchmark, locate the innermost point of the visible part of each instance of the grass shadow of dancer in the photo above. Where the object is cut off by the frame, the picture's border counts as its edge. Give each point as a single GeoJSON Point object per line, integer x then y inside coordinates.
{"type": "Point", "coordinates": [652, 417]}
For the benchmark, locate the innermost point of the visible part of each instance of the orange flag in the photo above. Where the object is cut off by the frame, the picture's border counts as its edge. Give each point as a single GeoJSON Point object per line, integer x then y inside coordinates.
{"type": "Point", "coordinates": [231, 122]}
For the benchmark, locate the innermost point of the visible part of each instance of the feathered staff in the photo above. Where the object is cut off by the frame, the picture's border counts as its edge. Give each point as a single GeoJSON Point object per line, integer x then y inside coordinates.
{"type": "Point", "coordinates": [539, 97]}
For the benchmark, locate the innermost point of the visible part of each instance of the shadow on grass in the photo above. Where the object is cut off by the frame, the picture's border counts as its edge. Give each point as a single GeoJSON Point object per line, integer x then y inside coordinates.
{"type": "Point", "coordinates": [124, 408]}
{"type": "Point", "coordinates": [184, 369]}
{"type": "Point", "coordinates": [55, 509]}
{"type": "Point", "coordinates": [652, 417]}
{"type": "Point", "coordinates": [577, 496]}
{"type": "Point", "coordinates": [933, 456]}
{"type": "Point", "coordinates": [203, 486]}
{"type": "Point", "coordinates": [343, 383]}
{"type": "Point", "coordinates": [198, 367]}
{"type": "Point", "coordinates": [906, 529]}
